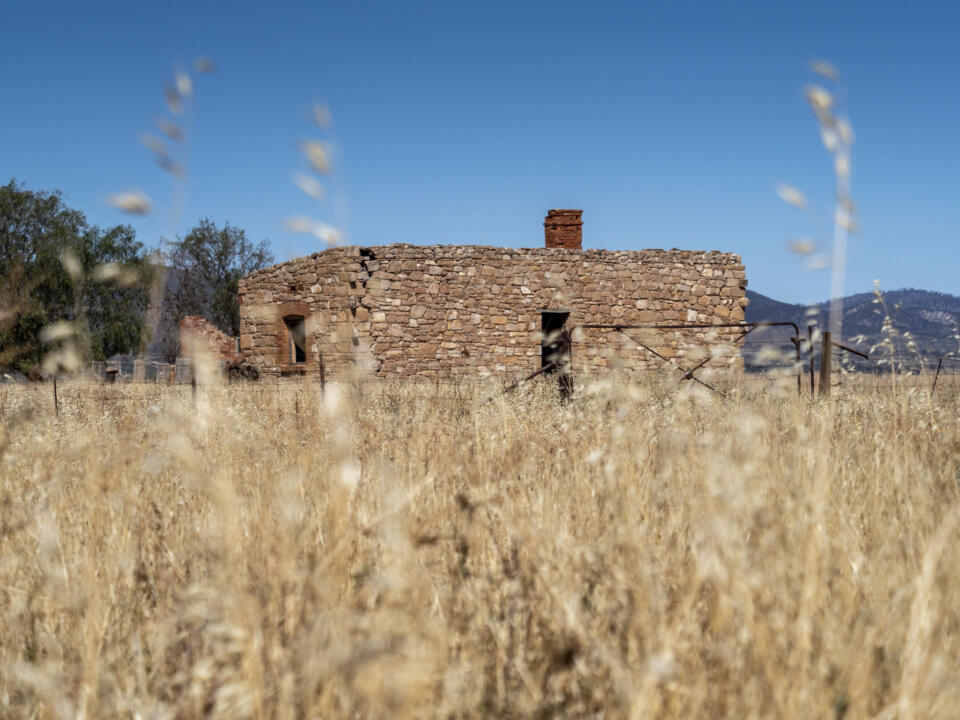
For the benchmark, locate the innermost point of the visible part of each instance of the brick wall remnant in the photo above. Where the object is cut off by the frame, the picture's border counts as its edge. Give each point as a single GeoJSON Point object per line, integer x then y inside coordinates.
{"type": "Point", "coordinates": [563, 229]}
{"type": "Point", "coordinates": [194, 328]}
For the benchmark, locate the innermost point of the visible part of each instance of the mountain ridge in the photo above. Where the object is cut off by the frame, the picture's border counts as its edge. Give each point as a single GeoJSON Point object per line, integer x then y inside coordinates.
{"type": "Point", "coordinates": [914, 327]}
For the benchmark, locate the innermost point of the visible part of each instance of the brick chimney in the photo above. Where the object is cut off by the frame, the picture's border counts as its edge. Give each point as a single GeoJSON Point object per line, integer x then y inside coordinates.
{"type": "Point", "coordinates": [564, 229]}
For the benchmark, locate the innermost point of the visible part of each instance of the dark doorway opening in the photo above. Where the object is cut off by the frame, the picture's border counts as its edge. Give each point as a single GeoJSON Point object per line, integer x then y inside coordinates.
{"type": "Point", "coordinates": [555, 348]}
{"type": "Point", "coordinates": [297, 331]}
{"type": "Point", "coordinates": [552, 345]}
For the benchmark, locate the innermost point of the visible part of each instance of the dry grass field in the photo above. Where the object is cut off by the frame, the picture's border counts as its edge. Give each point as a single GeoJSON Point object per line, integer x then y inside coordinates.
{"type": "Point", "coordinates": [403, 550]}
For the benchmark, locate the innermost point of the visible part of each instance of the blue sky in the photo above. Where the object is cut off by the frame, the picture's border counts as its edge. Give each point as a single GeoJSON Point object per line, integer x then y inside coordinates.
{"type": "Point", "coordinates": [670, 124]}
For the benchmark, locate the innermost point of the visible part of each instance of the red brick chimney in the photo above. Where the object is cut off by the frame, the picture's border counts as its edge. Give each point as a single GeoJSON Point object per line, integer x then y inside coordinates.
{"type": "Point", "coordinates": [564, 229]}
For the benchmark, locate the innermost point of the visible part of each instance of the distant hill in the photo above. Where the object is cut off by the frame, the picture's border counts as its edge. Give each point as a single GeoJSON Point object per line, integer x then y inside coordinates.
{"type": "Point", "coordinates": [930, 319]}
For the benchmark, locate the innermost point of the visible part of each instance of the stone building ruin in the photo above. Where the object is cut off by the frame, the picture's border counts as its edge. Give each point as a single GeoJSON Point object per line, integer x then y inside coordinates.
{"type": "Point", "coordinates": [447, 311]}
{"type": "Point", "coordinates": [221, 346]}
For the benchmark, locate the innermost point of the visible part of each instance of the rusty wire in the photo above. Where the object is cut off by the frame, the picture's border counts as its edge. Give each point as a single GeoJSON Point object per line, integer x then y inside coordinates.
{"type": "Point", "coordinates": [688, 374]}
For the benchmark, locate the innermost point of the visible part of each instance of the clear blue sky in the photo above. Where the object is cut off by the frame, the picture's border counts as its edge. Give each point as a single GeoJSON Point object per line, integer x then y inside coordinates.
{"type": "Point", "coordinates": [669, 123]}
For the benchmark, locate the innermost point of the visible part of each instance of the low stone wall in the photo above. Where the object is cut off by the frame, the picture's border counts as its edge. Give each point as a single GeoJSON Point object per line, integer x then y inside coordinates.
{"type": "Point", "coordinates": [196, 329]}
{"type": "Point", "coordinates": [451, 310]}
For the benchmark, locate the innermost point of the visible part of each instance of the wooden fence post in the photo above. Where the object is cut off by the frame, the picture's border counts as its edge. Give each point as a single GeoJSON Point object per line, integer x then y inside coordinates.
{"type": "Point", "coordinates": [812, 355]}
{"type": "Point", "coordinates": [826, 357]}
{"type": "Point", "coordinates": [323, 373]}
{"type": "Point", "coordinates": [797, 342]}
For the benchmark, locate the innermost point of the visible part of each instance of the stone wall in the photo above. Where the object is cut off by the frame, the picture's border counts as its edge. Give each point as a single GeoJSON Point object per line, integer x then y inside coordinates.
{"type": "Point", "coordinates": [195, 329]}
{"type": "Point", "coordinates": [453, 310]}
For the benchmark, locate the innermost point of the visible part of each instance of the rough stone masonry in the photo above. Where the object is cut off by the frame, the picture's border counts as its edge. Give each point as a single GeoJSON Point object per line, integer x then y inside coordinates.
{"type": "Point", "coordinates": [445, 311]}
{"type": "Point", "coordinates": [194, 328]}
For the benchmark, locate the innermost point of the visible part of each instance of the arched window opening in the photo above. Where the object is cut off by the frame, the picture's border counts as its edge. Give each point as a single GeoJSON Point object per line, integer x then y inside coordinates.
{"type": "Point", "coordinates": [297, 332]}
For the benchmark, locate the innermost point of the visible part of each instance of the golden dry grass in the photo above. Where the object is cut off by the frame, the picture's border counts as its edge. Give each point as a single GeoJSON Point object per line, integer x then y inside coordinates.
{"type": "Point", "coordinates": [404, 550]}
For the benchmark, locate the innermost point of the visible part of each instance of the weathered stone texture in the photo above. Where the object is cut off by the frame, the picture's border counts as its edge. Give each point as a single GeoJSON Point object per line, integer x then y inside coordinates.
{"type": "Point", "coordinates": [195, 329]}
{"type": "Point", "coordinates": [454, 310]}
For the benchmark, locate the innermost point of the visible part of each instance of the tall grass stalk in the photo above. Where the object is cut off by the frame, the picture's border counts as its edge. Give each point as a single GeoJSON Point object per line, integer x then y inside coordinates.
{"type": "Point", "coordinates": [408, 550]}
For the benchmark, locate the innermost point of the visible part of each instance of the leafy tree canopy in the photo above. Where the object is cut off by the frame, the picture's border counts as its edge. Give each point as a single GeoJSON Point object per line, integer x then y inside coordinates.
{"type": "Point", "coordinates": [206, 266]}
{"type": "Point", "coordinates": [54, 266]}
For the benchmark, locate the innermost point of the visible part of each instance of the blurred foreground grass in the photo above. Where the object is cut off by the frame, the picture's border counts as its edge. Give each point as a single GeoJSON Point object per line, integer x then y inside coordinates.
{"type": "Point", "coordinates": [404, 550]}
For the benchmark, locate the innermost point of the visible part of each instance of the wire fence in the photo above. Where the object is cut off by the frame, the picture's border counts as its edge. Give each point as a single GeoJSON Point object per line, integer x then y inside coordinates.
{"type": "Point", "coordinates": [145, 369]}
{"type": "Point", "coordinates": [771, 354]}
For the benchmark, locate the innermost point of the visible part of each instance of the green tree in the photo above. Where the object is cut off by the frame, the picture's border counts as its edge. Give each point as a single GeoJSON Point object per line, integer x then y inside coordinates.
{"type": "Point", "coordinates": [206, 266]}
{"type": "Point", "coordinates": [54, 266]}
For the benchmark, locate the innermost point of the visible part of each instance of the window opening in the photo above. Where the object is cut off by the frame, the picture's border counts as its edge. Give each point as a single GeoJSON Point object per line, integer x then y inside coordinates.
{"type": "Point", "coordinates": [297, 332]}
